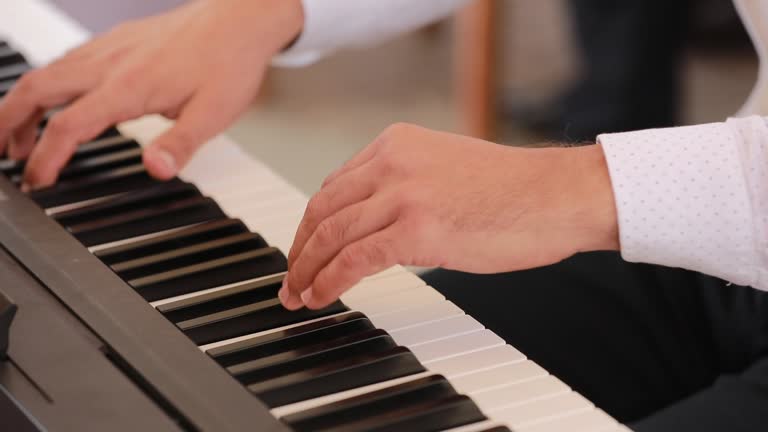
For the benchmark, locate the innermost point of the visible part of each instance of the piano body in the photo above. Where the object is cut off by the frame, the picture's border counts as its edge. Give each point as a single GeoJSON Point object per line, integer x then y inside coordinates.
{"type": "Point", "coordinates": [139, 305]}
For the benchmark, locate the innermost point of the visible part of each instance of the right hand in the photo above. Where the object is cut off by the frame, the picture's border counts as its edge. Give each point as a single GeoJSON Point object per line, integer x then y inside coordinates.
{"type": "Point", "coordinates": [201, 64]}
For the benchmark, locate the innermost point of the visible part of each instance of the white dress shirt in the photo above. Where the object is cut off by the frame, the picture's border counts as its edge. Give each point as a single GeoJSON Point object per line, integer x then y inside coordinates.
{"type": "Point", "coordinates": [694, 197]}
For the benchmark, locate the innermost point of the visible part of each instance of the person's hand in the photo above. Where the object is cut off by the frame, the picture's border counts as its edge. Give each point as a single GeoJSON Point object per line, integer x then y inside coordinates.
{"type": "Point", "coordinates": [425, 198]}
{"type": "Point", "coordinates": [201, 64]}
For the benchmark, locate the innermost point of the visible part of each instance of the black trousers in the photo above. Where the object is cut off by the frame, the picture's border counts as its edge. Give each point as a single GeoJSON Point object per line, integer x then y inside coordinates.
{"type": "Point", "coordinates": [632, 52]}
{"type": "Point", "coordinates": [660, 349]}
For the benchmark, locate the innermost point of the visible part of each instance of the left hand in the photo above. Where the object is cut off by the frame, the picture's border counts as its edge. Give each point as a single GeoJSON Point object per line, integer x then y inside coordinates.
{"type": "Point", "coordinates": [425, 198]}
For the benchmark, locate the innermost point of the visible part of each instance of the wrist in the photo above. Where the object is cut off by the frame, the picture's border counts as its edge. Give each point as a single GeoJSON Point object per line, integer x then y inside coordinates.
{"type": "Point", "coordinates": [274, 24]}
{"type": "Point", "coordinates": [595, 225]}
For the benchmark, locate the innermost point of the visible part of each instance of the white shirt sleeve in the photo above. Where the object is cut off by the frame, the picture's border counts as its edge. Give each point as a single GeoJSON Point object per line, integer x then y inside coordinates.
{"type": "Point", "coordinates": [330, 25]}
{"type": "Point", "coordinates": [694, 197]}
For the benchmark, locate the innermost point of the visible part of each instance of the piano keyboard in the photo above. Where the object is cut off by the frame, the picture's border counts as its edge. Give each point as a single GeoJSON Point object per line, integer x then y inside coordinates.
{"type": "Point", "coordinates": [205, 251]}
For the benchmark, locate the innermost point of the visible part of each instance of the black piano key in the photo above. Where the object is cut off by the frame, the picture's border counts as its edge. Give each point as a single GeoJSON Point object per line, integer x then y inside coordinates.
{"type": "Point", "coordinates": [376, 407]}
{"type": "Point", "coordinates": [80, 167]}
{"type": "Point", "coordinates": [107, 142]}
{"type": "Point", "coordinates": [13, 71]}
{"type": "Point", "coordinates": [5, 49]}
{"type": "Point", "coordinates": [320, 378]}
{"type": "Point", "coordinates": [112, 182]}
{"type": "Point", "coordinates": [291, 338]}
{"type": "Point", "coordinates": [158, 193]}
{"type": "Point", "coordinates": [158, 218]}
{"type": "Point", "coordinates": [173, 240]}
{"type": "Point", "coordinates": [6, 85]}
{"type": "Point", "coordinates": [250, 318]}
{"type": "Point", "coordinates": [248, 373]}
{"type": "Point", "coordinates": [219, 272]}
{"type": "Point", "coordinates": [84, 166]}
{"type": "Point", "coordinates": [430, 415]}
{"type": "Point", "coordinates": [11, 58]}
{"type": "Point", "coordinates": [222, 299]}
{"type": "Point", "coordinates": [317, 348]}
{"type": "Point", "coordinates": [189, 255]}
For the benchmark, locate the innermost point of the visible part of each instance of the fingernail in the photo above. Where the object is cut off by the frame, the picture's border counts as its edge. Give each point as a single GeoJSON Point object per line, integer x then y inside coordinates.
{"type": "Point", "coordinates": [283, 294]}
{"type": "Point", "coordinates": [292, 302]}
{"type": "Point", "coordinates": [26, 188]}
{"type": "Point", "coordinates": [306, 296]}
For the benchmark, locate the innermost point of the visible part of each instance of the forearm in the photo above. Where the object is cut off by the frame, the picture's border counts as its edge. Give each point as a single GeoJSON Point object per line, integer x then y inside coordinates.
{"type": "Point", "coordinates": [330, 25]}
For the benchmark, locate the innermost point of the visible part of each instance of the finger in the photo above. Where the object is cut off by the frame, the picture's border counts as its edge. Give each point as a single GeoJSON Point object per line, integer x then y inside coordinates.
{"type": "Point", "coordinates": [336, 232]}
{"type": "Point", "coordinates": [198, 121]}
{"type": "Point", "coordinates": [82, 121]}
{"type": "Point", "coordinates": [24, 139]}
{"type": "Point", "coordinates": [355, 186]}
{"type": "Point", "coordinates": [39, 90]}
{"type": "Point", "coordinates": [365, 257]}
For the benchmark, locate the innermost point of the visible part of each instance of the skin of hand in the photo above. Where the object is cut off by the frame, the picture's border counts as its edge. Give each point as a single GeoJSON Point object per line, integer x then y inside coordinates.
{"type": "Point", "coordinates": [200, 64]}
{"type": "Point", "coordinates": [420, 197]}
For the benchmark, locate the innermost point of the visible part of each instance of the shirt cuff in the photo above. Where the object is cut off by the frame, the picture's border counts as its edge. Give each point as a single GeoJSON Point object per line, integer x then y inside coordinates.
{"type": "Point", "coordinates": [333, 24]}
{"type": "Point", "coordinates": [682, 198]}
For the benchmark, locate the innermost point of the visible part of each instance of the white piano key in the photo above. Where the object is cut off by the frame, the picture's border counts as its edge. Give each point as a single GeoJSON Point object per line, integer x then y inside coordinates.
{"type": "Point", "coordinates": [263, 206]}
{"type": "Point", "coordinates": [476, 361]}
{"type": "Point", "coordinates": [433, 331]}
{"type": "Point", "coordinates": [543, 410]}
{"type": "Point", "coordinates": [420, 315]}
{"type": "Point", "coordinates": [396, 269]}
{"type": "Point", "coordinates": [396, 301]}
{"type": "Point", "coordinates": [324, 400]}
{"type": "Point", "coordinates": [264, 194]}
{"type": "Point", "coordinates": [499, 376]}
{"type": "Point", "coordinates": [588, 421]}
{"type": "Point", "coordinates": [237, 184]}
{"type": "Point", "coordinates": [476, 427]}
{"type": "Point", "coordinates": [265, 222]}
{"type": "Point", "coordinates": [384, 285]}
{"type": "Point", "coordinates": [518, 393]}
{"type": "Point", "coordinates": [450, 347]}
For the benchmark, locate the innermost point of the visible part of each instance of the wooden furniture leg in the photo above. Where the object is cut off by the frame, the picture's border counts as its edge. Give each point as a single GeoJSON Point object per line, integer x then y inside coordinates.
{"type": "Point", "coordinates": [474, 69]}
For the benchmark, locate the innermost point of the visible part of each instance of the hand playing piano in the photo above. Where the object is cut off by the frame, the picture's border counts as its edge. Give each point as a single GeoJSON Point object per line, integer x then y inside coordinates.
{"type": "Point", "coordinates": [425, 198]}
{"type": "Point", "coordinates": [200, 64]}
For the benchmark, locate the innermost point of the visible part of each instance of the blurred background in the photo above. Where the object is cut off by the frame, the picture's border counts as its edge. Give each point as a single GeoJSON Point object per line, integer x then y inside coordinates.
{"type": "Point", "coordinates": [513, 71]}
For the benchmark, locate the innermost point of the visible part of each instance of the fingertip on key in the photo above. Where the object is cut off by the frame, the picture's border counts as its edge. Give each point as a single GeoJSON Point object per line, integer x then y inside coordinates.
{"type": "Point", "coordinates": [289, 300]}
{"type": "Point", "coordinates": [160, 163]}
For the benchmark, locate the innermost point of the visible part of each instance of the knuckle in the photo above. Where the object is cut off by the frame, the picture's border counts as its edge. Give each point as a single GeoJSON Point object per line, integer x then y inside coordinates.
{"type": "Point", "coordinates": [29, 83]}
{"type": "Point", "coordinates": [349, 257]}
{"type": "Point", "coordinates": [63, 124]}
{"type": "Point", "coordinates": [409, 201]}
{"type": "Point", "coordinates": [130, 79]}
{"type": "Point", "coordinates": [393, 131]}
{"type": "Point", "coordinates": [372, 253]}
{"type": "Point", "coordinates": [315, 208]}
{"type": "Point", "coordinates": [327, 232]}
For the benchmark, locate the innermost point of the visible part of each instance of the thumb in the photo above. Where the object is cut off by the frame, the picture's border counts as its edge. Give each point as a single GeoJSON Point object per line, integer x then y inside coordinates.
{"type": "Point", "coordinates": [204, 116]}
